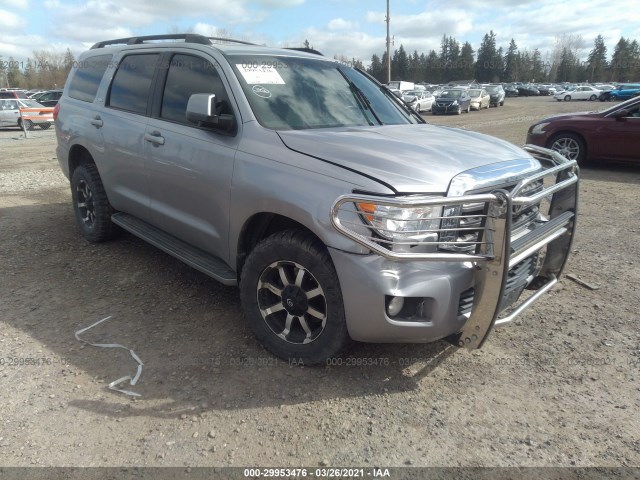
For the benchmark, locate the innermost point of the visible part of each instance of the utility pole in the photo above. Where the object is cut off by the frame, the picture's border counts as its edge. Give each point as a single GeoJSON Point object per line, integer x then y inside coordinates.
{"type": "Point", "coordinates": [388, 19]}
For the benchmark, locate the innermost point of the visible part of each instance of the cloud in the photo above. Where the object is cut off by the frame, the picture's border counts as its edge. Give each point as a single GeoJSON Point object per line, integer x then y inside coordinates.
{"type": "Point", "coordinates": [340, 24]}
{"type": "Point", "coordinates": [10, 21]}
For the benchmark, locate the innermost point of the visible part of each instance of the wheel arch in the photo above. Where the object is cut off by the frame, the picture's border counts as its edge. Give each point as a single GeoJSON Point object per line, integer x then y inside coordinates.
{"type": "Point", "coordinates": [260, 226]}
{"type": "Point", "coordinates": [79, 155]}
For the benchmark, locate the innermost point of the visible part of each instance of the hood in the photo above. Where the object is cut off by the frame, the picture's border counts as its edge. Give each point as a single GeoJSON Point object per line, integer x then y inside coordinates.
{"type": "Point", "coordinates": [566, 116]}
{"type": "Point", "coordinates": [408, 158]}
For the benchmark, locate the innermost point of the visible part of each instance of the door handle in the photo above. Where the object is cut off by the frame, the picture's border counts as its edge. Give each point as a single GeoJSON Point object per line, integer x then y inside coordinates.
{"type": "Point", "coordinates": [154, 137]}
{"type": "Point", "coordinates": [96, 121]}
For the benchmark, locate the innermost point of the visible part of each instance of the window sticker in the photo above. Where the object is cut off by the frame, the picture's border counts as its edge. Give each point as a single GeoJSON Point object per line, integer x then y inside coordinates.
{"type": "Point", "coordinates": [261, 91]}
{"type": "Point", "coordinates": [254, 73]}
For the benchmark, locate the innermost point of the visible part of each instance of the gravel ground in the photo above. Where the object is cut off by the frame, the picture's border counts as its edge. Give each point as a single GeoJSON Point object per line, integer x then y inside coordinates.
{"type": "Point", "coordinates": [559, 387]}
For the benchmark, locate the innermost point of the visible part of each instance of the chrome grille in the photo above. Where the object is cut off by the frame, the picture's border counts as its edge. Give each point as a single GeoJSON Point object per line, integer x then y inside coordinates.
{"type": "Point", "coordinates": [462, 224]}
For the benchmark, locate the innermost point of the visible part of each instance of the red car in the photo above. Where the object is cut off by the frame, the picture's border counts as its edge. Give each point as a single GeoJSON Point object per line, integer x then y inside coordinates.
{"type": "Point", "coordinates": [610, 135]}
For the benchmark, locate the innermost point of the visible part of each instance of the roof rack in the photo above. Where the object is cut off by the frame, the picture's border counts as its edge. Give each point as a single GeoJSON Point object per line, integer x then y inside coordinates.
{"type": "Point", "coordinates": [187, 37]}
{"type": "Point", "coordinates": [305, 49]}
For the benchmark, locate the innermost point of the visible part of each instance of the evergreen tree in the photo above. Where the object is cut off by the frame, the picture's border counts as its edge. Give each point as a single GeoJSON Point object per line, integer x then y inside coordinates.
{"type": "Point", "coordinates": [14, 75]}
{"type": "Point", "coordinates": [511, 62]}
{"type": "Point", "coordinates": [621, 61]}
{"type": "Point", "coordinates": [466, 68]}
{"type": "Point", "coordinates": [597, 61]}
{"type": "Point", "coordinates": [376, 69]}
{"type": "Point", "coordinates": [400, 65]}
{"type": "Point", "coordinates": [487, 56]}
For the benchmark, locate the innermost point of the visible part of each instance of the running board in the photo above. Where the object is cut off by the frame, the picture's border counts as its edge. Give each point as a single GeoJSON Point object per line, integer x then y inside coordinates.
{"type": "Point", "coordinates": [192, 256]}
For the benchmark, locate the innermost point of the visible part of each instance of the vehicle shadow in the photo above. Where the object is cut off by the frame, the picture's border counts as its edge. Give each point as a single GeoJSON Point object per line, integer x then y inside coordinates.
{"type": "Point", "coordinates": [186, 328]}
{"type": "Point", "coordinates": [612, 172]}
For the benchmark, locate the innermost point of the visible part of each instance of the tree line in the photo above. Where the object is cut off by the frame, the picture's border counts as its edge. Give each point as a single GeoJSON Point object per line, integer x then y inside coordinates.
{"type": "Point", "coordinates": [493, 64]}
{"type": "Point", "coordinates": [44, 70]}
{"type": "Point", "coordinates": [454, 61]}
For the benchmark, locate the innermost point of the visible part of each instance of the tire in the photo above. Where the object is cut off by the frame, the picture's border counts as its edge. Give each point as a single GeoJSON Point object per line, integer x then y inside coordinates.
{"type": "Point", "coordinates": [459, 111]}
{"type": "Point", "coordinates": [570, 146]}
{"type": "Point", "coordinates": [592, 98]}
{"type": "Point", "coordinates": [28, 124]}
{"type": "Point", "coordinates": [292, 300]}
{"type": "Point", "coordinates": [469, 108]}
{"type": "Point", "coordinates": [91, 205]}
{"type": "Point", "coordinates": [502, 103]}
{"type": "Point", "coordinates": [44, 126]}
{"type": "Point", "coordinates": [567, 98]}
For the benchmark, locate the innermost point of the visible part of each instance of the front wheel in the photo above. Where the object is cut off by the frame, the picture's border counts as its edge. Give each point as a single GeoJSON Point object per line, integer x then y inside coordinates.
{"type": "Point", "coordinates": [91, 205]}
{"type": "Point", "coordinates": [292, 299]}
{"type": "Point", "coordinates": [44, 126]}
{"type": "Point", "coordinates": [592, 98]}
{"type": "Point", "coordinates": [569, 145]}
{"type": "Point", "coordinates": [567, 98]}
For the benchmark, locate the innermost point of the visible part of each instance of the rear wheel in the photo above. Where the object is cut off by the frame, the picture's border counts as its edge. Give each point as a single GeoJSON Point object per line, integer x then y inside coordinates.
{"type": "Point", "coordinates": [569, 145]}
{"type": "Point", "coordinates": [44, 126]}
{"type": "Point", "coordinates": [292, 299]}
{"type": "Point", "coordinates": [90, 204]}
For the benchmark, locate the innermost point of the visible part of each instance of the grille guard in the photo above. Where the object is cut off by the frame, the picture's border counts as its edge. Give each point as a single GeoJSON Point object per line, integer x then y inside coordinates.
{"type": "Point", "coordinates": [495, 252]}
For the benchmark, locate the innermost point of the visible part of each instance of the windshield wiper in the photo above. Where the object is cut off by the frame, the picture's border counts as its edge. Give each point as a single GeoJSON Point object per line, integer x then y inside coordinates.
{"type": "Point", "coordinates": [361, 99]}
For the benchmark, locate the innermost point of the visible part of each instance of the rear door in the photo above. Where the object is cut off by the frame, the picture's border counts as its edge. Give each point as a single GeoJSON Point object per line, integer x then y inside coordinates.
{"type": "Point", "coordinates": [122, 123]}
{"type": "Point", "coordinates": [190, 167]}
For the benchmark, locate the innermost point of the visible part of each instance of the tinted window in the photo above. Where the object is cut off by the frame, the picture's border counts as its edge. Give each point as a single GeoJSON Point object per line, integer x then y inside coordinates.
{"type": "Point", "coordinates": [132, 83]}
{"type": "Point", "coordinates": [188, 75]}
{"type": "Point", "coordinates": [86, 79]}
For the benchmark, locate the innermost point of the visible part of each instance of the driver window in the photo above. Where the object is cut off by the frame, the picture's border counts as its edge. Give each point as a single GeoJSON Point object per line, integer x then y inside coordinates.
{"type": "Point", "coordinates": [188, 75]}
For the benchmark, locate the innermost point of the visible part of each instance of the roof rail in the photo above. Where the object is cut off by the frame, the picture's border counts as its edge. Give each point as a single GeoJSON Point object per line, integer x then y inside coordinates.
{"type": "Point", "coordinates": [187, 37]}
{"type": "Point", "coordinates": [305, 49]}
{"type": "Point", "coordinates": [230, 40]}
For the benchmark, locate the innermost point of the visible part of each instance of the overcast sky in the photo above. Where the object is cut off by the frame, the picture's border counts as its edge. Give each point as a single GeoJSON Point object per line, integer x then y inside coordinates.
{"type": "Point", "coordinates": [354, 28]}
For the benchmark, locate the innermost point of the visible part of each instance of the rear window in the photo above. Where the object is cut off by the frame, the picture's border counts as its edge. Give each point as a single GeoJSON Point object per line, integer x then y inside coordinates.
{"type": "Point", "coordinates": [132, 83]}
{"type": "Point", "coordinates": [86, 79]}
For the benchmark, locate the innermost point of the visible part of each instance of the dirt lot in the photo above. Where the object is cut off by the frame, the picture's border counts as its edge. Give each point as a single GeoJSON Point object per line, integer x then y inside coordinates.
{"type": "Point", "coordinates": [560, 386]}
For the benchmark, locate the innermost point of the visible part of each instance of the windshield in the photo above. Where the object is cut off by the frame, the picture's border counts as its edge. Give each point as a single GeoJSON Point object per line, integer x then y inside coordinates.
{"type": "Point", "coordinates": [301, 93]}
{"type": "Point", "coordinates": [492, 89]}
{"type": "Point", "coordinates": [451, 93]}
{"type": "Point", "coordinates": [474, 93]}
{"type": "Point", "coordinates": [29, 103]}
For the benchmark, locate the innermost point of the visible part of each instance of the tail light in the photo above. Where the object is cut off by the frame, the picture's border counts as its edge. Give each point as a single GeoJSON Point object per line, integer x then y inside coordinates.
{"type": "Point", "coordinates": [56, 110]}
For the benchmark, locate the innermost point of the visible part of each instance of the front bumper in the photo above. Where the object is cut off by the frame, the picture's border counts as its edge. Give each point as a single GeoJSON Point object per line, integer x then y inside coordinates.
{"type": "Point", "coordinates": [438, 281]}
{"type": "Point", "coordinates": [435, 108]}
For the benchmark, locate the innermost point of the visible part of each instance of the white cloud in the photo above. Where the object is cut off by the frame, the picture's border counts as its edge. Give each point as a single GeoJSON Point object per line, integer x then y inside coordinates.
{"type": "Point", "coordinates": [340, 24]}
{"type": "Point", "coordinates": [10, 21]}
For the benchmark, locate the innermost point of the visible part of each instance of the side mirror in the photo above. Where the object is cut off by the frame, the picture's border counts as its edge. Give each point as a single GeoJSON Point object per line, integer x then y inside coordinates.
{"type": "Point", "coordinates": [201, 111]}
{"type": "Point", "coordinates": [621, 114]}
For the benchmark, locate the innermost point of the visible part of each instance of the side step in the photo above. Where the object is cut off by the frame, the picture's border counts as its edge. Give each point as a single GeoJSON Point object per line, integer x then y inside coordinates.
{"type": "Point", "coordinates": [192, 256]}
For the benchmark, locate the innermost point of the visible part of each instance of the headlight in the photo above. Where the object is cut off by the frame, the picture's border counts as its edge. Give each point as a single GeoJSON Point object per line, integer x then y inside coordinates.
{"type": "Point", "coordinates": [538, 129]}
{"type": "Point", "coordinates": [455, 102]}
{"type": "Point", "coordinates": [402, 223]}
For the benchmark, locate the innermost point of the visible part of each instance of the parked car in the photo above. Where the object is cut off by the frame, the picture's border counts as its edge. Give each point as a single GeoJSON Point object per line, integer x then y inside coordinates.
{"type": "Point", "coordinates": [452, 100]}
{"type": "Point", "coordinates": [583, 92]}
{"type": "Point", "coordinates": [419, 100]}
{"type": "Point", "coordinates": [624, 92]}
{"type": "Point", "coordinates": [545, 89]}
{"type": "Point", "coordinates": [613, 134]}
{"type": "Point", "coordinates": [496, 93]}
{"type": "Point", "coordinates": [479, 98]}
{"type": "Point", "coordinates": [339, 213]}
{"type": "Point", "coordinates": [7, 93]}
{"type": "Point", "coordinates": [10, 114]}
{"type": "Point", "coordinates": [49, 98]}
{"type": "Point", "coordinates": [527, 91]}
{"type": "Point", "coordinates": [510, 90]}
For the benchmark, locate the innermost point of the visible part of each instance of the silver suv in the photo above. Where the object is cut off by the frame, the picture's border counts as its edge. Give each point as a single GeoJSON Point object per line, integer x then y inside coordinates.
{"type": "Point", "coordinates": [340, 213]}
